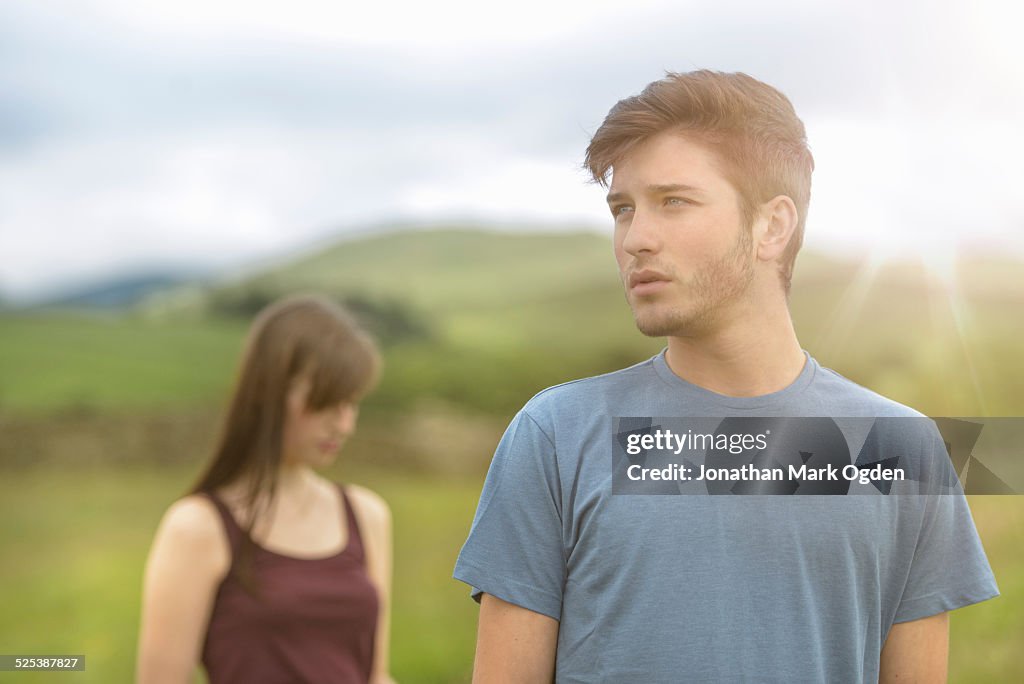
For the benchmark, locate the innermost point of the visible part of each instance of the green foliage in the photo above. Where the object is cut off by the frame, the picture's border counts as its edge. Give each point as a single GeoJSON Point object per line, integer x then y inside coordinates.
{"type": "Point", "coordinates": [390, 320]}
{"type": "Point", "coordinates": [443, 271]}
{"type": "Point", "coordinates": [240, 301]}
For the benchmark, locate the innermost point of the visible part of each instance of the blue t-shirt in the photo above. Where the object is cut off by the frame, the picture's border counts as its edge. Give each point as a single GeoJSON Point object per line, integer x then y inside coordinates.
{"type": "Point", "coordinates": [710, 588]}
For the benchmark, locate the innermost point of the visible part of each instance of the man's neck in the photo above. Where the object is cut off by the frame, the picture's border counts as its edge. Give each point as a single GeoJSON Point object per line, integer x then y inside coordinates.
{"type": "Point", "coordinates": [757, 354]}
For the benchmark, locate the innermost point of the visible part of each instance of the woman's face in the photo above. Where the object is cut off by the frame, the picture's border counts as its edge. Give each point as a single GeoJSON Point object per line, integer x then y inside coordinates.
{"type": "Point", "coordinates": [314, 437]}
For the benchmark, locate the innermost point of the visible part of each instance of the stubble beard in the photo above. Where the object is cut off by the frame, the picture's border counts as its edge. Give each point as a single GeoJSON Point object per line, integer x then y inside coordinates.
{"type": "Point", "coordinates": [709, 290]}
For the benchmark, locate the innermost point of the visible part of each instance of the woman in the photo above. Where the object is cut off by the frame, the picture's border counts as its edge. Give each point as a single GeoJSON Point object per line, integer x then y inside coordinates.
{"type": "Point", "coordinates": [267, 572]}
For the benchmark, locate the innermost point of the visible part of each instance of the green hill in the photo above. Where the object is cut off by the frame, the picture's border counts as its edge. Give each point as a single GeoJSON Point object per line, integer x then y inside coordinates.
{"type": "Point", "coordinates": [470, 287]}
{"type": "Point", "coordinates": [477, 318]}
{"type": "Point", "coordinates": [482, 319]}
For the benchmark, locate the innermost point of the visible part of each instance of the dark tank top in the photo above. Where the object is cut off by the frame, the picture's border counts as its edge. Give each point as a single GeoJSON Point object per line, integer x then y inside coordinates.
{"type": "Point", "coordinates": [314, 621]}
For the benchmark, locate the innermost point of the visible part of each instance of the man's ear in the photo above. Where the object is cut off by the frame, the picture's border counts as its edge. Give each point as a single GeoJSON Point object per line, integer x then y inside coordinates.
{"type": "Point", "coordinates": [775, 226]}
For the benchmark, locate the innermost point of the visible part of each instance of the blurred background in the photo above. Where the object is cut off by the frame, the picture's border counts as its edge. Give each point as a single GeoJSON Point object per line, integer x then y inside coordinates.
{"type": "Point", "coordinates": [166, 169]}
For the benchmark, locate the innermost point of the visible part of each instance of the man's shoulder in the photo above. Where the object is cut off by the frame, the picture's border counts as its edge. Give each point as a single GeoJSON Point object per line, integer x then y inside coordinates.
{"type": "Point", "coordinates": [588, 394]}
{"type": "Point", "coordinates": [848, 398]}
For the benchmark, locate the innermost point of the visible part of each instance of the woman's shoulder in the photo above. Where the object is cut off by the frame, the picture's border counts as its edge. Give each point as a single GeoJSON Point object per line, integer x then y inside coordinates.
{"type": "Point", "coordinates": [370, 507]}
{"type": "Point", "coordinates": [193, 523]}
{"type": "Point", "coordinates": [193, 511]}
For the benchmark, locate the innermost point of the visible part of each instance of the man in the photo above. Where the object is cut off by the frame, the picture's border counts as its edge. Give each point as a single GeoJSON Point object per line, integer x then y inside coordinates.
{"type": "Point", "coordinates": [710, 184]}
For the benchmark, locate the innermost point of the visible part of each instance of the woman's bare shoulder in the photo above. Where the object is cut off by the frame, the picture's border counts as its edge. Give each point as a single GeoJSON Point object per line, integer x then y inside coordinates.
{"type": "Point", "coordinates": [369, 505]}
{"type": "Point", "coordinates": [192, 524]}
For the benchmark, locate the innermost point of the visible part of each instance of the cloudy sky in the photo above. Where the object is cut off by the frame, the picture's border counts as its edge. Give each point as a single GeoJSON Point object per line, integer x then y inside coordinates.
{"type": "Point", "coordinates": [138, 135]}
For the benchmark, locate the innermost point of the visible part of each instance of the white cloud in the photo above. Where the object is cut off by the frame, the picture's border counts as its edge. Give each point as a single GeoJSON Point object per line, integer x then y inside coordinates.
{"type": "Point", "coordinates": [524, 189]}
{"type": "Point", "coordinates": [916, 184]}
{"type": "Point", "coordinates": [188, 132]}
{"type": "Point", "coordinates": [442, 27]}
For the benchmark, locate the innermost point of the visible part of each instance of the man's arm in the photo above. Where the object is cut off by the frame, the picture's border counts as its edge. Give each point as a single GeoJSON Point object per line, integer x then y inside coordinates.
{"type": "Point", "coordinates": [513, 644]}
{"type": "Point", "coordinates": [916, 651]}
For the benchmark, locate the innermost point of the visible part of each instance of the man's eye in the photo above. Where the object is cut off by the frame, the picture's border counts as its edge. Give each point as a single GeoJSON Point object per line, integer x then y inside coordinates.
{"type": "Point", "coordinates": [676, 201]}
{"type": "Point", "coordinates": [621, 209]}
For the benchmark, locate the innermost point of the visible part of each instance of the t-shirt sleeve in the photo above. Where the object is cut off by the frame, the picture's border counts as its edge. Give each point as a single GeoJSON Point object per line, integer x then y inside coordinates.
{"type": "Point", "coordinates": [514, 550]}
{"type": "Point", "coordinates": [949, 568]}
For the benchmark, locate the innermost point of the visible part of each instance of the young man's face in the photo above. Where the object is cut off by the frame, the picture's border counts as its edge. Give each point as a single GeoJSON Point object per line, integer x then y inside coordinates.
{"type": "Point", "coordinates": [684, 253]}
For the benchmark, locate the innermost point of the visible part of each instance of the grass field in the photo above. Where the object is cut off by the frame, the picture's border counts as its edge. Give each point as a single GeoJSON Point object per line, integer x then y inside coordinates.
{"type": "Point", "coordinates": [74, 543]}
{"type": "Point", "coordinates": [73, 361]}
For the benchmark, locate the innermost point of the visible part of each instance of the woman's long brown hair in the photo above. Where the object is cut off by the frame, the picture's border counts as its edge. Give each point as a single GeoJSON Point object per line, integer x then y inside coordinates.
{"type": "Point", "coordinates": [299, 336]}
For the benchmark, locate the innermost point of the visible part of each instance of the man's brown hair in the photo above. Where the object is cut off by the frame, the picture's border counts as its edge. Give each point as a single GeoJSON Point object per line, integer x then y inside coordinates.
{"type": "Point", "coordinates": [750, 126]}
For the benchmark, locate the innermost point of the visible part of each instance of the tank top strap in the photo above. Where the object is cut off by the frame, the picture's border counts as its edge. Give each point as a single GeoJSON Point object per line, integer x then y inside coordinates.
{"type": "Point", "coordinates": [233, 530]}
{"type": "Point", "coordinates": [355, 539]}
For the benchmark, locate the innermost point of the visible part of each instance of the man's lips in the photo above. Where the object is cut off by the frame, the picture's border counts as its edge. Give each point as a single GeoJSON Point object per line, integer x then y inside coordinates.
{"type": "Point", "coordinates": [647, 281]}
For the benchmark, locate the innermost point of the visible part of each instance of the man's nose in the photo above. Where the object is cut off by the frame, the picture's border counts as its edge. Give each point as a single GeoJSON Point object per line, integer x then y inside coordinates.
{"type": "Point", "coordinates": [642, 234]}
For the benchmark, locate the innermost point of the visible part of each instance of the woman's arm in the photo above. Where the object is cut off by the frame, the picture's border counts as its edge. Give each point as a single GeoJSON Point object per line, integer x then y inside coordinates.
{"type": "Point", "coordinates": [189, 558]}
{"type": "Point", "coordinates": [374, 518]}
